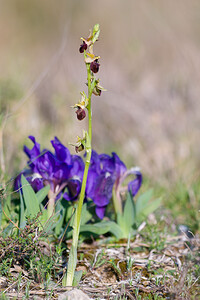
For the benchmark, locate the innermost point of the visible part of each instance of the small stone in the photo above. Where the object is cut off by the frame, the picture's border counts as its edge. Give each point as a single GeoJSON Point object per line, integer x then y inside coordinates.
{"type": "Point", "coordinates": [74, 294]}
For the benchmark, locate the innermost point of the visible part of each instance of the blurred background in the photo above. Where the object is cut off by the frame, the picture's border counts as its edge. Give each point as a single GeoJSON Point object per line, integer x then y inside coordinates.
{"type": "Point", "coordinates": [150, 66]}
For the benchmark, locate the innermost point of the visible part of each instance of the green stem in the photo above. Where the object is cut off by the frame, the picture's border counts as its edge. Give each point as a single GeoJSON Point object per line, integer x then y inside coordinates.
{"type": "Point", "coordinates": [77, 218]}
{"type": "Point", "coordinates": [76, 227]}
{"type": "Point", "coordinates": [51, 206]}
{"type": "Point", "coordinates": [116, 201]}
{"type": "Point", "coordinates": [90, 89]}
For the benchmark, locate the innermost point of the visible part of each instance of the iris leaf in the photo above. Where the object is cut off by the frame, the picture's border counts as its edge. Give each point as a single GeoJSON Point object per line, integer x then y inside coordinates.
{"type": "Point", "coordinates": [129, 211]}
{"type": "Point", "coordinates": [30, 198]}
{"type": "Point", "coordinates": [98, 228]}
{"type": "Point", "coordinates": [41, 194]}
{"type": "Point", "coordinates": [142, 202]}
{"type": "Point", "coordinates": [77, 277]}
{"type": "Point", "coordinates": [85, 214]}
{"type": "Point", "coordinates": [102, 228]}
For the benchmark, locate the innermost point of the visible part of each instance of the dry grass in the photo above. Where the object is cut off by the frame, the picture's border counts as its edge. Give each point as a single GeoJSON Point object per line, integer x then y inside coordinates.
{"type": "Point", "coordinates": [112, 270]}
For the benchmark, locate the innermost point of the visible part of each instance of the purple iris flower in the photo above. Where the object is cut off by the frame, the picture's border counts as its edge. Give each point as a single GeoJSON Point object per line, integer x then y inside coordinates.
{"type": "Point", "coordinates": [64, 173]}
{"type": "Point", "coordinates": [135, 184]}
{"type": "Point", "coordinates": [105, 174]}
{"type": "Point", "coordinates": [62, 152]}
{"type": "Point", "coordinates": [60, 170]}
{"type": "Point", "coordinates": [75, 178]}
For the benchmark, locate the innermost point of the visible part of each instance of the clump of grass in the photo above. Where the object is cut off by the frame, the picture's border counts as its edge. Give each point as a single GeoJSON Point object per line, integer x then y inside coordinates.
{"type": "Point", "coordinates": [155, 235]}
{"type": "Point", "coordinates": [31, 252]}
{"type": "Point", "coordinates": [185, 197]}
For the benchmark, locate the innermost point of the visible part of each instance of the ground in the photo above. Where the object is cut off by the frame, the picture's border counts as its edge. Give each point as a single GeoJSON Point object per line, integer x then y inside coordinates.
{"type": "Point", "coordinates": [155, 264]}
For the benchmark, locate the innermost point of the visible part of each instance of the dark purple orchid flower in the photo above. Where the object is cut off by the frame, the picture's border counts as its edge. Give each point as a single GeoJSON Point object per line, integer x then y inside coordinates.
{"type": "Point", "coordinates": [83, 47]}
{"type": "Point", "coordinates": [94, 66]}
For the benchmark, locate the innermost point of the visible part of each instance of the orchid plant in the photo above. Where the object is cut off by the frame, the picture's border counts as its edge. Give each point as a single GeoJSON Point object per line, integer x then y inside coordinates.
{"type": "Point", "coordinates": [64, 179]}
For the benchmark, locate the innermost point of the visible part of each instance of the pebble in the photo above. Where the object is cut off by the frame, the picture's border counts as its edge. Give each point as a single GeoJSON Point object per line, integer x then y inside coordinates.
{"type": "Point", "coordinates": [74, 294]}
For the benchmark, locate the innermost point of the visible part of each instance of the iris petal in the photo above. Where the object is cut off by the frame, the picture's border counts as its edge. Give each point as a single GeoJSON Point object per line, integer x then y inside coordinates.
{"type": "Point", "coordinates": [100, 211]}
{"type": "Point", "coordinates": [62, 152]}
{"type": "Point", "coordinates": [135, 185]}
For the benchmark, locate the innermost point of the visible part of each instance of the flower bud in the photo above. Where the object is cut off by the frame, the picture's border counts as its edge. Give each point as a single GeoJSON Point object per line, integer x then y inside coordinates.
{"type": "Point", "coordinates": [79, 148]}
{"type": "Point", "coordinates": [83, 47]}
{"type": "Point", "coordinates": [96, 91]}
{"type": "Point", "coordinates": [94, 66]}
{"type": "Point", "coordinates": [81, 114]}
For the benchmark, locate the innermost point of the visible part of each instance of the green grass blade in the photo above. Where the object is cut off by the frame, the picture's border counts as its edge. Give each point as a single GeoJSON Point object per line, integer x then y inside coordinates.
{"type": "Point", "coordinates": [0, 212]}
{"type": "Point", "coordinates": [22, 219]}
